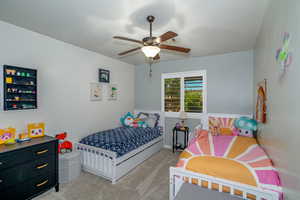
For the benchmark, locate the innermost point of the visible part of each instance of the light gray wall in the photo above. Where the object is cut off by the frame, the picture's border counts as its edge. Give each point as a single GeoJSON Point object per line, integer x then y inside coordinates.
{"type": "Point", "coordinates": [281, 135]}
{"type": "Point", "coordinates": [229, 77]}
{"type": "Point", "coordinates": [64, 75]}
{"type": "Point", "coordinates": [229, 89]}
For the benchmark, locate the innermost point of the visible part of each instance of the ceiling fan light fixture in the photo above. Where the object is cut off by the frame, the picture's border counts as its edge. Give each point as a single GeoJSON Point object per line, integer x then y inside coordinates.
{"type": "Point", "coordinates": [150, 51]}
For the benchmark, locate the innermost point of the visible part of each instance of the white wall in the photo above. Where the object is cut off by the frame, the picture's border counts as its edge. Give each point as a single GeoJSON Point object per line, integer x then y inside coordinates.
{"type": "Point", "coordinates": [281, 135]}
{"type": "Point", "coordinates": [64, 74]}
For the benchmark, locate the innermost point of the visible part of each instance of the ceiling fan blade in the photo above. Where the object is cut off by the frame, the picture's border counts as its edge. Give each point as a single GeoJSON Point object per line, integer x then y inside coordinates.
{"type": "Point", "coordinates": [166, 36]}
{"type": "Point", "coordinates": [128, 39]}
{"type": "Point", "coordinates": [129, 51]}
{"type": "Point", "coordinates": [175, 48]}
{"type": "Point", "coordinates": [157, 57]}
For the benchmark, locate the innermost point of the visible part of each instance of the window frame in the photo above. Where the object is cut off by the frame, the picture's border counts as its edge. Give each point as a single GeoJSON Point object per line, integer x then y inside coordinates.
{"type": "Point", "coordinates": [182, 75]}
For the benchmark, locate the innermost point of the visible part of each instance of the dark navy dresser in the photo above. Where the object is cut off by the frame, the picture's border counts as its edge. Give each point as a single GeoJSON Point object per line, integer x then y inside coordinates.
{"type": "Point", "coordinates": [28, 169]}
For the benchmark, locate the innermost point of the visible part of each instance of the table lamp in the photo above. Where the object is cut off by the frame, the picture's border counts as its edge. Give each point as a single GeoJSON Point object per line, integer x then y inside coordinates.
{"type": "Point", "coordinates": [183, 117]}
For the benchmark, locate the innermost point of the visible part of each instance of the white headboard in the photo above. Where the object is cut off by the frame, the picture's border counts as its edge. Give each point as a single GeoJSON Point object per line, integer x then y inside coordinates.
{"type": "Point", "coordinates": [204, 120]}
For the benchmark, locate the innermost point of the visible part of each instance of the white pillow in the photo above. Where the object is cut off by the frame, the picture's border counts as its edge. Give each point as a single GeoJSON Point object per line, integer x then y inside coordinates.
{"type": "Point", "coordinates": [151, 119]}
{"type": "Point", "coordinates": [151, 122]}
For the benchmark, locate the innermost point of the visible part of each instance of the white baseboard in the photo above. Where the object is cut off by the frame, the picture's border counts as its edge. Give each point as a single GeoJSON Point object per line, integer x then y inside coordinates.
{"type": "Point", "coordinates": [167, 147]}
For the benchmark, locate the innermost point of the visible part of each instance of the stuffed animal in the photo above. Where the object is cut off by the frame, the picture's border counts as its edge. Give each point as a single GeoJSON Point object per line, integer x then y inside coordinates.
{"type": "Point", "coordinates": [64, 146]}
{"type": "Point", "coordinates": [137, 122]}
{"type": "Point", "coordinates": [245, 126]}
{"type": "Point", "coordinates": [129, 120]}
{"type": "Point", "coordinates": [7, 135]}
{"type": "Point", "coordinates": [36, 130]}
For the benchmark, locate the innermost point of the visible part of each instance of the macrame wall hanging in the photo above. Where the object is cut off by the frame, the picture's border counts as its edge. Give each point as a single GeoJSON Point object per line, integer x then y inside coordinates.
{"type": "Point", "coordinates": [261, 102]}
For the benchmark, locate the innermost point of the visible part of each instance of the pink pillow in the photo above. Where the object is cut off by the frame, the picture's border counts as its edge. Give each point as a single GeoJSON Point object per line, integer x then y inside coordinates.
{"type": "Point", "coordinates": [201, 132]}
{"type": "Point", "coordinates": [198, 133]}
{"type": "Point", "coordinates": [221, 125]}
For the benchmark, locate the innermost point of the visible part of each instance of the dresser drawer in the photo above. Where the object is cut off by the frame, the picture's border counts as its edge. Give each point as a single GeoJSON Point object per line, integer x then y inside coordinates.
{"type": "Point", "coordinates": [9, 177]}
{"type": "Point", "coordinates": [40, 183]}
{"type": "Point", "coordinates": [13, 158]}
{"type": "Point", "coordinates": [12, 193]}
{"type": "Point", "coordinates": [27, 154]}
{"type": "Point", "coordinates": [43, 150]}
{"type": "Point", "coordinates": [21, 173]}
{"type": "Point", "coordinates": [26, 190]}
{"type": "Point", "coordinates": [39, 167]}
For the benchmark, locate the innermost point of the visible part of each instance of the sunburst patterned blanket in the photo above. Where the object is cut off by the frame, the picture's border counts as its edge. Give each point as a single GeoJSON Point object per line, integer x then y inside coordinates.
{"type": "Point", "coordinates": [234, 158]}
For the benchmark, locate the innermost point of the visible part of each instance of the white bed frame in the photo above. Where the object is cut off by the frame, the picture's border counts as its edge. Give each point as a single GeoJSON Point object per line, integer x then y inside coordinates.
{"type": "Point", "coordinates": [178, 176]}
{"type": "Point", "coordinates": [105, 163]}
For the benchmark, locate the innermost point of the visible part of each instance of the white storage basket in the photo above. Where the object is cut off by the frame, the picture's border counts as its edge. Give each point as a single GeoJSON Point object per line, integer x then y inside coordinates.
{"type": "Point", "coordinates": [69, 166]}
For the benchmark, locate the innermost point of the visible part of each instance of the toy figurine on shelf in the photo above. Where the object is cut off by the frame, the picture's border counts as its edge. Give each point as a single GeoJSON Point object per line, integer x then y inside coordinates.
{"type": "Point", "coordinates": [64, 146]}
{"type": "Point", "coordinates": [10, 72]}
{"type": "Point", "coordinates": [9, 80]}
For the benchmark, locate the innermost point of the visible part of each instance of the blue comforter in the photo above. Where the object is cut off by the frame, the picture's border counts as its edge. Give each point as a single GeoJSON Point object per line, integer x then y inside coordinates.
{"type": "Point", "coordinates": [121, 140]}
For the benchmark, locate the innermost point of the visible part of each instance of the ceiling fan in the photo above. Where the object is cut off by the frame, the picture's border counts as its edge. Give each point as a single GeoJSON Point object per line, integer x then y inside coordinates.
{"type": "Point", "coordinates": [151, 45]}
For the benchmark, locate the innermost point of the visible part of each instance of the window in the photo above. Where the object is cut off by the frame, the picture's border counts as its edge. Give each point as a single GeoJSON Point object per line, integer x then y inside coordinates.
{"type": "Point", "coordinates": [172, 94]}
{"type": "Point", "coordinates": [193, 100]}
{"type": "Point", "coordinates": [184, 91]}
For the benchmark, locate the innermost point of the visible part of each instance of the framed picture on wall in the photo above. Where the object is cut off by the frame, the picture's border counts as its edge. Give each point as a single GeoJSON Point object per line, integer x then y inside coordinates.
{"type": "Point", "coordinates": [104, 76]}
{"type": "Point", "coordinates": [112, 92]}
{"type": "Point", "coordinates": [96, 92]}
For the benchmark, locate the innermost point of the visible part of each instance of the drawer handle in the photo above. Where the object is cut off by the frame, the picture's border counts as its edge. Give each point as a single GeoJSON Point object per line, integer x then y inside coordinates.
{"type": "Point", "coordinates": [42, 152]}
{"type": "Point", "coordinates": [1, 163]}
{"type": "Point", "coordinates": [42, 166]}
{"type": "Point", "coordinates": [1, 181]}
{"type": "Point", "coordinates": [42, 183]}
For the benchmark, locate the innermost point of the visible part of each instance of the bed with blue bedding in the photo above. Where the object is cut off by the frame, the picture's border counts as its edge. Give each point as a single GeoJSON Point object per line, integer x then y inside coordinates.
{"type": "Point", "coordinates": [122, 140]}
{"type": "Point", "coordinates": [113, 153]}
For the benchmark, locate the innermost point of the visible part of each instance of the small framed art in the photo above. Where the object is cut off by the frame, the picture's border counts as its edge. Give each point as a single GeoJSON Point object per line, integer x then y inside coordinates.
{"type": "Point", "coordinates": [96, 92]}
{"type": "Point", "coordinates": [104, 76]}
{"type": "Point", "coordinates": [112, 92]}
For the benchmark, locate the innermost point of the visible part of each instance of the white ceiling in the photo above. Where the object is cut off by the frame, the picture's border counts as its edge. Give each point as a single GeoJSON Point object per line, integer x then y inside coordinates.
{"type": "Point", "coordinates": [206, 26]}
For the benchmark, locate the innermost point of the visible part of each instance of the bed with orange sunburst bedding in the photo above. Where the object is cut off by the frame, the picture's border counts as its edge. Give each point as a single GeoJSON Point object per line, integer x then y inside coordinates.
{"type": "Point", "coordinates": [234, 158]}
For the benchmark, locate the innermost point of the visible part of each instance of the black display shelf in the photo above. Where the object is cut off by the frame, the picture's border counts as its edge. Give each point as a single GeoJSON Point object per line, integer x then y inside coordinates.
{"type": "Point", "coordinates": [20, 88]}
{"type": "Point", "coordinates": [19, 84]}
{"type": "Point", "coordinates": [16, 76]}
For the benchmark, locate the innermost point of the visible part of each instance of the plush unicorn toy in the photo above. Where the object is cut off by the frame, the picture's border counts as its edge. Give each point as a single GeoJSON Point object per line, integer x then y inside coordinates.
{"type": "Point", "coordinates": [244, 126]}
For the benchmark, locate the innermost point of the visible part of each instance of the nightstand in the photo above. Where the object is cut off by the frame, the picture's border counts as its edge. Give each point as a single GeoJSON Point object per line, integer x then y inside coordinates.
{"type": "Point", "coordinates": [183, 130]}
